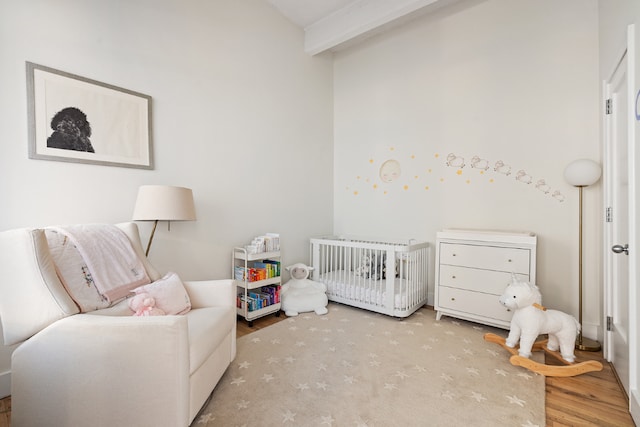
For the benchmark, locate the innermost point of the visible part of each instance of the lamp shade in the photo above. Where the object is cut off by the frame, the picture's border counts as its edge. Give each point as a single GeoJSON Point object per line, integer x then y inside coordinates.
{"type": "Point", "coordinates": [164, 203]}
{"type": "Point", "coordinates": [582, 173]}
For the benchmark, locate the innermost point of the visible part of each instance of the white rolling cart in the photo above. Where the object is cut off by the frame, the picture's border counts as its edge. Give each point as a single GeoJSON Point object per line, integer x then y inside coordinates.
{"type": "Point", "coordinates": [247, 287]}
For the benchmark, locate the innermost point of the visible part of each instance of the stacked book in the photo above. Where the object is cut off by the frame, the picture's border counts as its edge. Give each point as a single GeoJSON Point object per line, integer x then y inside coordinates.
{"type": "Point", "coordinates": [263, 270]}
{"type": "Point", "coordinates": [259, 298]}
{"type": "Point", "coordinates": [270, 242]}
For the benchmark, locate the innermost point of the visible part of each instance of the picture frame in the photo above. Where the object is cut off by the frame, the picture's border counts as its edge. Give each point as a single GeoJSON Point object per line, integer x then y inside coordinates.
{"type": "Point", "coordinates": [76, 119]}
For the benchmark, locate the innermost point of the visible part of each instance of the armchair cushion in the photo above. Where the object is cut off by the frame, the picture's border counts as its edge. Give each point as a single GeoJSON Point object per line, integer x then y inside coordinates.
{"type": "Point", "coordinates": [207, 328]}
{"type": "Point", "coordinates": [33, 296]}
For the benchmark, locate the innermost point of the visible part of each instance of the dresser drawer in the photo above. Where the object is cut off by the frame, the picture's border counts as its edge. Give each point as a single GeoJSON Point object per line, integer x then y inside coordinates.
{"type": "Point", "coordinates": [486, 257]}
{"type": "Point", "coordinates": [480, 304]}
{"type": "Point", "coordinates": [473, 279]}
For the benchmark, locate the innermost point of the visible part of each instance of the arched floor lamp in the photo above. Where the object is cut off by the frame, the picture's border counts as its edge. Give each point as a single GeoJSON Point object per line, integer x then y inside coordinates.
{"type": "Point", "coordinates": [582, 173]}
{"type": "Point", "coordinates": [163, 203]}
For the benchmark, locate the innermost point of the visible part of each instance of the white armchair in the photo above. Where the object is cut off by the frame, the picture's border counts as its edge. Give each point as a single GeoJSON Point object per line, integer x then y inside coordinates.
{"type": "Point", "coordinates": [106, 367]}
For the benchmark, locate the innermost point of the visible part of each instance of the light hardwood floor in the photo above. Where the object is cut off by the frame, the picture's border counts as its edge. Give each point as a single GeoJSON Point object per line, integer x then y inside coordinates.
{"type": "Point", "coordinates": [5, 412]}
{"type": "Point", "coordinates": [593, 399]}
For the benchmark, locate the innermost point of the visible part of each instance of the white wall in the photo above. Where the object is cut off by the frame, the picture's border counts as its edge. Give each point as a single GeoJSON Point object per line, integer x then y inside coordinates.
{"type": "Point", "coordinates": [614, 17]}
{"type": "Point", "coordinates": [240, 114]}
{"type": "Point", "coordinates": [510, 80]}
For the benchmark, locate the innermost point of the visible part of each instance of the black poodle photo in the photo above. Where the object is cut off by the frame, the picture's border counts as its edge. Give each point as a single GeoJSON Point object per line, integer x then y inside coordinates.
{"type": "Point", "coordinates": [71, 131]}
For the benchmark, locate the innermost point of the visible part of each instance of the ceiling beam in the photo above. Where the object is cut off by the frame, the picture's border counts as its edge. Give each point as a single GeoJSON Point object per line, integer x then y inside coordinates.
{"type": "Point", "coordinates": [360, 19]}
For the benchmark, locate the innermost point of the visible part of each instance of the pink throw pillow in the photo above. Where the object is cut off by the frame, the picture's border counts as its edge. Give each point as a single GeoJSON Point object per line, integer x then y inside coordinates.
{"type": "Point", "coordinates": [169, 293]}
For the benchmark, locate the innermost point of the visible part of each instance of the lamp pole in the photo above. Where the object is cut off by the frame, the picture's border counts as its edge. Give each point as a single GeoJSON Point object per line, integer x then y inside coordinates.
{"type": "Point", "coordinates": [153, 231]}
{"type": "Point", "coordinates": [582, 343]}
{"type": "Point", "coordinates": [582, 173]}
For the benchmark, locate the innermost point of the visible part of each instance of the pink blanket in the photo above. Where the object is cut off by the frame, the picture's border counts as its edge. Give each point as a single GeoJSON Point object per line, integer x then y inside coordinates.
{"type": "Point", "coordinates": [114, 266]}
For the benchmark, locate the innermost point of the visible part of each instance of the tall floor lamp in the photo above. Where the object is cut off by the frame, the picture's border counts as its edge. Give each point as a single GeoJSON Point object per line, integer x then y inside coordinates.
{"type": "Point", "coordinates": [582, 173]}
{"type": "Point", "coordinates": [163, 203]}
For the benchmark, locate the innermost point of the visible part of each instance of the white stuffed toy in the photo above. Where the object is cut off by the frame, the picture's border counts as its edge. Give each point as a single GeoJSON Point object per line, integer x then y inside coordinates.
{"type": "Point", "coordinates": [300, 294]}
{"type": "Point", "coordinates": [531, 319]}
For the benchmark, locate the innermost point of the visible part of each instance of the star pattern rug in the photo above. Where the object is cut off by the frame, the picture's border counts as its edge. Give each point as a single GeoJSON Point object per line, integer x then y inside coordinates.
{"type": "Point", "coordinates": [352, 367]}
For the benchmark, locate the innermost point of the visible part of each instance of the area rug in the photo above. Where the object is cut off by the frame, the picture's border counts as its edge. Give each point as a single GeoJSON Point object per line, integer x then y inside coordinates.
{"type": "Point", "coordinates": [352, 367]}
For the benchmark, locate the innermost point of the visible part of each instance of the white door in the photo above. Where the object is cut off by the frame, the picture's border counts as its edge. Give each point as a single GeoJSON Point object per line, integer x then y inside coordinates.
{"type": "Point", "coordinates": [617, 228]}
{"type": "Point", "coordinates": [634, 292]}
{"type": "Point", "coordinates": [622, 160]}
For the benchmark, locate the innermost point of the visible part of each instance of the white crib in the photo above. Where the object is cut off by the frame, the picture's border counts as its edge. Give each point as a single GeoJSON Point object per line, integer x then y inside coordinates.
{"type": "Point", "coordinates": [385, 277]}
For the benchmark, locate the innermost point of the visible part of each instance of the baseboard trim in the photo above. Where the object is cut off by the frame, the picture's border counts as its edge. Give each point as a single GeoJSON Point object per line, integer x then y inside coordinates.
{"type": "Point", "coordinates": [5, 384]}
{"type": "Point", "coordinates": [634, 406]}
{"type": "Point", "coordinates": [592, 332]}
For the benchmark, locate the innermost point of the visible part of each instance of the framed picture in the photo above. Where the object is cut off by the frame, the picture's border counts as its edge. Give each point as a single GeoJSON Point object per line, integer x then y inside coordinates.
{"type": "Point", "coordinates": [75, 119]}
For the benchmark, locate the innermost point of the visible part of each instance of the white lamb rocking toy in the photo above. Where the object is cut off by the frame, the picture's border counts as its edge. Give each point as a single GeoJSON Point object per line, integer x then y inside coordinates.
{"type": "Point", "coordinates": [531, 319]}
{"type": "Point", "coordinates": [300, 294]}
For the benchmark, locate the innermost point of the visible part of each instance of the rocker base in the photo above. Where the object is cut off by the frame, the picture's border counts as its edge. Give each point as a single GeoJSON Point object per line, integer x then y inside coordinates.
{"type": "Point", "coordinates": [569, 370]}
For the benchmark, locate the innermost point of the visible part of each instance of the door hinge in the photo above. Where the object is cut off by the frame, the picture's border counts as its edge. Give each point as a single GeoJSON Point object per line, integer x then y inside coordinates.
{"type": "Point", "coordinates": [609, 323]}
{"type": "Point", "coordinates": [608, 106]}
{"type": "Point", "coordinates": [609, 215]}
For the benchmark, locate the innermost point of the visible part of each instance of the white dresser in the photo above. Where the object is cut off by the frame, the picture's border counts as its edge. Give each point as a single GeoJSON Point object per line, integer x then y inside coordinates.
{"type": "Point", "coordinates": [473, 267]}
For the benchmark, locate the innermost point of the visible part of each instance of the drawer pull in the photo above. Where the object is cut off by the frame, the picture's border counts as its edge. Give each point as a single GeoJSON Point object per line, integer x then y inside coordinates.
{"type": "Point", "coordinates": [508, 260]}
{"type": "Point", "coordinates": [453, 299]}
{"type": "Point", "coordinates": [454, 255]}
{"type": "Point", "coordinates": [453, 277]}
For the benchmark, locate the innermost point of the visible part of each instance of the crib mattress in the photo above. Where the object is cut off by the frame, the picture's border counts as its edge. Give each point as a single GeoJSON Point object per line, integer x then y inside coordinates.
{"type": "Point", "coordinates": [347, 284]}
